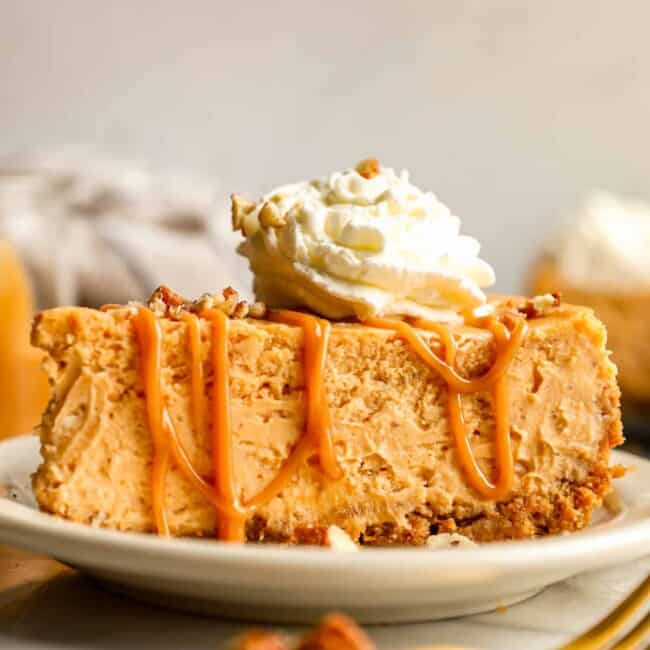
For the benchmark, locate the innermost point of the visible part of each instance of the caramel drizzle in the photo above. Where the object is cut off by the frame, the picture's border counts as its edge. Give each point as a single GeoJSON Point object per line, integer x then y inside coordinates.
{"type": "Point", "coordinates": [317, 437]}
{"type": "Point", "coordinates": [222, 493]}
{"type": "Point", "coordinates": [149, 336]}
{"type": "Point", "coordinates": [507, 343]}
{"type": "Point", "coordinates": [166, 442]}
{"type": "Point", "coordinates": [231, 526]}
{"type": "Point", "coordinates": [318, 429]}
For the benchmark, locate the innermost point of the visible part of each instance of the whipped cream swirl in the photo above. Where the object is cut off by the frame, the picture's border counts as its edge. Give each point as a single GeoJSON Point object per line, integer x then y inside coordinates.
{"type": "Point", "coordinates": [361, 243]}
{"type": "Point", "coordinates": [604, 246]}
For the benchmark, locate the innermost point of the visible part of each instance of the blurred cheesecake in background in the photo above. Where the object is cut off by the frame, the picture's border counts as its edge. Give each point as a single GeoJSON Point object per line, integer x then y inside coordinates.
{"type": "Point", "coordinates": [601, 259]}
{"type": "Point", "coordinates": [78, 229]}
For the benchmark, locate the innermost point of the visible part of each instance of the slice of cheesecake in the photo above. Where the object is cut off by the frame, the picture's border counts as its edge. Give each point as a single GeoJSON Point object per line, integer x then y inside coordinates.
{"type": "Point", "coordinates": [181, 421]}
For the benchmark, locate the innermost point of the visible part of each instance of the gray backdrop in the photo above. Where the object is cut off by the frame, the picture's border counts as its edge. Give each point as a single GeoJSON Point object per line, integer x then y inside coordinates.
{"type": "Point", "coordinates": [509, 111]}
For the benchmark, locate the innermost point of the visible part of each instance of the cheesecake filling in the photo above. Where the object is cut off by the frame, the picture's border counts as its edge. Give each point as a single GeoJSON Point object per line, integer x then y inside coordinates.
{"type": "Point", "coordinates": [507, 328]}
{"type": "Point", "coordinates": [362, 243]}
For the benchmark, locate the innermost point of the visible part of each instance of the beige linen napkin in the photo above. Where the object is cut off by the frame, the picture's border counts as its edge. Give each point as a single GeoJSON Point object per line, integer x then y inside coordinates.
{"type": "Point", "coordinates": [94, 230]}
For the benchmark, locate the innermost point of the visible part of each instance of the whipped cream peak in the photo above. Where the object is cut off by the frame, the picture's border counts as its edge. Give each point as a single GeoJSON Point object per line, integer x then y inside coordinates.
{"type": "Point", "coordinates": [361, 242]}
{"type": "Point", "coordinates": [604, 245]}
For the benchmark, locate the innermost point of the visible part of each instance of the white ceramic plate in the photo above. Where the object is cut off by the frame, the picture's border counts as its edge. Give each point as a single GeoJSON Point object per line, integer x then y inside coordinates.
{"type": "Point", "coordinates": [297, 584]}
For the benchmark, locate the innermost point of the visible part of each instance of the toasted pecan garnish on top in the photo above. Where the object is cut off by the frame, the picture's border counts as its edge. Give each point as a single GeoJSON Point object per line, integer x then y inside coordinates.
{"type": "Point", "coordinates": [539, 306]}
{"type": "Point", "coordinates": [168, 297]}
{"type": "Point", "coordinates": [270, 216]}
{"type": "Point", "coordinates": [165, 302]}
{"type": "Point", "coordinates": [239, 208]}
{"type": "Point", "coordinates": [369, 168]}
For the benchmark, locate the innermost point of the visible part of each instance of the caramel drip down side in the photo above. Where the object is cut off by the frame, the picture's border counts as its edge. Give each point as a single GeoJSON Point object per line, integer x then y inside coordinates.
{"type": "Point", "coordinates": [222, 493]}
{"type": "Point", "coordinates": [230, 527]}
{"type": "Point", "coordinates": [317, 438]}
{"type": "Point", "coordinates": [149, 337]}
{"type": "Point", "coordinates": [318, 428]}
{"type": "Point", "coordinates": [165, 439]}
{"type": "Point", "coordinates": [506, 347]}
{"type": "Point", "coordinates": [507, 344]}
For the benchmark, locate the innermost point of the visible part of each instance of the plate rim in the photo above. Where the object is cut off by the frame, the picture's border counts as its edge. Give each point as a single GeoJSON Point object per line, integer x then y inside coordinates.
{"type": "Point", "coordinates": [28, 528]}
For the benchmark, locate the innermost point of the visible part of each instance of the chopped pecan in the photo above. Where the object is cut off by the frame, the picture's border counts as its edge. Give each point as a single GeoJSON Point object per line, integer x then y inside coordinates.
{"type": "Point", "coordinates": [241, 310]}
{"type": "Point", "coordinates": [165, 302]}
{"type": "Point", "coordinates": [369, 168]}
{"type": "Point", "coordinates": [163, 299]}
{"type": "Point", "coordinates": [229, 293]}
{"type": "Point", "coordinates": [169, 297]}
{"type": "Point", "coordinates": [337, 632]}
{"type": "Point", "coordinates": [270, 216]}
{"type": "Point", "coordinates": [259, 640]}
{"type": "Point", "coordinates": [230, 300]}
{"type": "Point", "coordinates": [239, 208]}
{"type": "Point", "coordinates": [539, 305]}
{"type": "Point", "coordinates": [338, 540]}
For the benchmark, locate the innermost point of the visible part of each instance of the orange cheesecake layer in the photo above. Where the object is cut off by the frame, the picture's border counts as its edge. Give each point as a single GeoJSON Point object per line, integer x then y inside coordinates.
{"type": "Point", "coordinates": [23, 385]}
{"type": "Point", "coordinates": [267, 453]}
